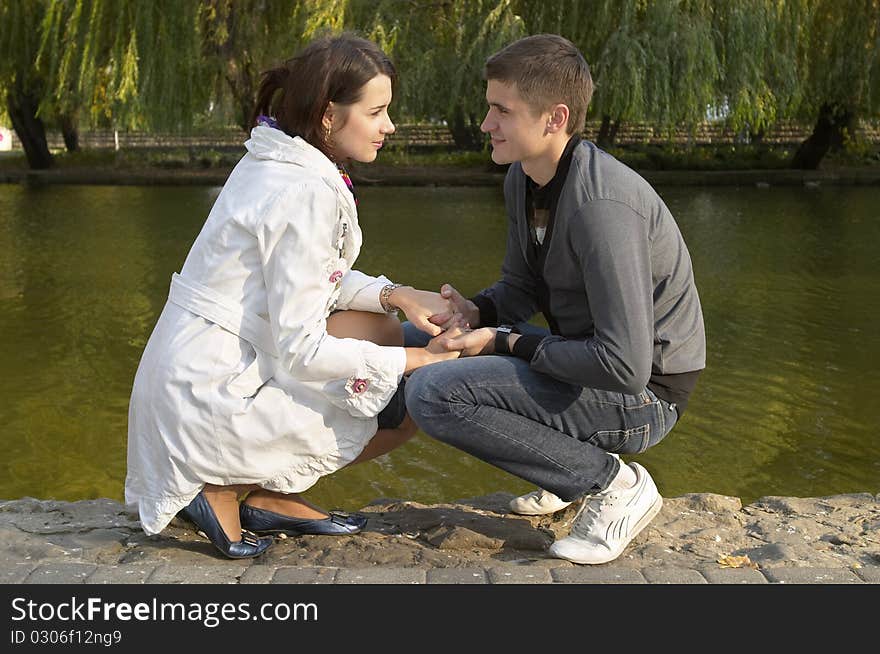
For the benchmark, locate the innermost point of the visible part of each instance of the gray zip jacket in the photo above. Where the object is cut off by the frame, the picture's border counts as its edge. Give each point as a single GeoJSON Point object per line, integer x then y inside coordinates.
{"type": "Point", "coordinates": [619, 275]}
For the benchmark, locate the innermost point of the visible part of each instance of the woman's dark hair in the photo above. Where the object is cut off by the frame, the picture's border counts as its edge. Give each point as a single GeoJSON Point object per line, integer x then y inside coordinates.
{"type": "Point", "coordinates": [330, 69]}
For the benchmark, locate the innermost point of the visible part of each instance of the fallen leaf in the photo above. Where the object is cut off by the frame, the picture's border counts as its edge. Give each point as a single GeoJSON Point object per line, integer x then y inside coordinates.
{"type": "Point", "coordinates": [728, 561]}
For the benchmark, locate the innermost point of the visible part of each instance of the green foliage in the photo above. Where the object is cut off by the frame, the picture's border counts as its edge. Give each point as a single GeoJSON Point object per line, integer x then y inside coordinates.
{"type": "Point", "coordinates": [841, 60]}
{"type": "Point", "coordinates": [709, 157]}
{"type": "Point", "coordinates": [19, 43]}
{"type": "Point", "coordinates": [242, 38]}
{"type": "Point", "coordinates": [19, 39]}
{"type": "Point", "coordinates": [439, 49]}
{"type": "Point", "coordinates": [175, 64]}
{"type": "Point", "coordinates": [131, 64]}
{"type": "Point", "coordinates": [443, 158]}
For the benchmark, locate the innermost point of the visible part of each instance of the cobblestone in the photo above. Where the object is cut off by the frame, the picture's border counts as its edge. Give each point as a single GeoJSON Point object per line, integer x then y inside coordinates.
{"type": "Point", "coordinates": [381, 576]}
{"type": "Point", "coordinates": [60, 573]}
{"type": "Point", "coordinates": [598, 575]}
{"type": "Point", "coordinates": [673, 576]}
{"type": "Point", "coordinates": [100, 542]}
{"type": "Point", "coordinates": [811, 576]}
{"type": "Point", "coordinates": [120, 574]}
{"type": "Point", "coordinates": [509, 574]}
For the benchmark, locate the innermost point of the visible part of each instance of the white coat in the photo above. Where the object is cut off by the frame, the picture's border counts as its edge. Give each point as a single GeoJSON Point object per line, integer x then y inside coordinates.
{"type": "Point", "coordinates": [239, 382]}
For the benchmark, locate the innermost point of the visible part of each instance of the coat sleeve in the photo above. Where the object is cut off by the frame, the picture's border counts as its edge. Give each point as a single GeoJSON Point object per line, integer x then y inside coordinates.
{"type": "Point", "coordinates": [610, 241]}
{"type": "Point", "coordinates": [360, 292]}
{"type": "Point", "coordinates": [297, 246]}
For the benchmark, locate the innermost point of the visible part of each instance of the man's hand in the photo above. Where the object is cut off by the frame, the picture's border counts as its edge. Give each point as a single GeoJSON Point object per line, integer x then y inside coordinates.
{"type": "Point", "coordinates": [470, 343]}
{"type": "Point", "coordinates": [437, 345]}
{"type": "Point", "coordinates": [421, 306]}
{"type": "Point", "coordinates": [463, 310]}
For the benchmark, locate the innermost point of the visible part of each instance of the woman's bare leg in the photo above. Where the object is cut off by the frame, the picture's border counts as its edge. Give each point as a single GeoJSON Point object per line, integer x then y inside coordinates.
{"type": "Point", "coordinates": [224, 502]}
{"type": "Point", "coordinates": [380, 329]}
{"type": "Point", "coordinates": [386, 440]}
{"type": "Point", "coordinates": [295, 506]}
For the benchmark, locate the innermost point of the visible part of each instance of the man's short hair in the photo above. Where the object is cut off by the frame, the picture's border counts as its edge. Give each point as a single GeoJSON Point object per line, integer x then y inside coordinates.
{"type": "Point", "coordinates": [547, 69]}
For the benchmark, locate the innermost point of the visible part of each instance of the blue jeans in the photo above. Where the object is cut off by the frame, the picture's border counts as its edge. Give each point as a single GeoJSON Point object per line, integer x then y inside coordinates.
{"type": "Point", "coordinates": [551, 433]}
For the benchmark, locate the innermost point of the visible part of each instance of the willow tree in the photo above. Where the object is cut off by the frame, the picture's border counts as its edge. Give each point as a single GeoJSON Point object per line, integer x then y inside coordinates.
{"type": "Point", "coordinates": [439, 49]}
{"type": "Point", "coordinates": [841, 73]}
{"type": "Point", "coordinates": [758, 43]}
{"type": "Point", "coordinates": [22, 82]}
{"type": "Point", "coordinates": [651, 61]}
{"type": "Point", "coordinates": [683, 73]}
{"type": "Point", "coordinates": [243, 38]}
{"type": "Point", "coordinates": [63, 106]}
{"type": "Point", "coordinates": [133, 65]}
{"type": "Point", "coordinates": [606, 32]}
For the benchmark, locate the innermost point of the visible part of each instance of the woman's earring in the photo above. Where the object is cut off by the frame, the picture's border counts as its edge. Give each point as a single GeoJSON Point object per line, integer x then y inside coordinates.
{"type": "Point", "coordinates": [328, 130]}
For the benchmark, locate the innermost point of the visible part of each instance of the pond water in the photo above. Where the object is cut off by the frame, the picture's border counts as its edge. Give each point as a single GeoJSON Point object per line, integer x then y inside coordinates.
{"type": "Point", "coordinates": [789, 403]}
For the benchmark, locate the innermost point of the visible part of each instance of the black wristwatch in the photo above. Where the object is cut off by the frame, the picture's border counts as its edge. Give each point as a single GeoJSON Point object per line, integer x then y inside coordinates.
{"type": "Point", "coordinates": [502, 339]}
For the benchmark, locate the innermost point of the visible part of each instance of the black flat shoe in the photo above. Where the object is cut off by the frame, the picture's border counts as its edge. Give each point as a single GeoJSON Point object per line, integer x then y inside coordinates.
{"type": "Point", "coordinates": [200, 513]}
{"type": "Point", "coordinates": [267, 522]}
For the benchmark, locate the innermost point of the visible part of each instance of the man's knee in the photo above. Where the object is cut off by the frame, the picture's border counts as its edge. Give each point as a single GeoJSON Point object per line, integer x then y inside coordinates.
{"type": "Point", "coordinates": [427, 395]}
{"type": "Point", "coordinates": [415, 392]}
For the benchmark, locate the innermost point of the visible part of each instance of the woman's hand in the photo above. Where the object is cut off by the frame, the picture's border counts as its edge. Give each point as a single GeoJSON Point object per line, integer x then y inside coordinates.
{"type": "Point", "coordinates": [434, 351]}
{"type": "Point", "coordinates": [470, 342]}
{"type": "Point", "coordinates": [424, 309]}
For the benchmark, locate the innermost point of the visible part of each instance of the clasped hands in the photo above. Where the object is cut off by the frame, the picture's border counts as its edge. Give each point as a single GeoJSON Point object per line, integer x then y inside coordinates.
{"type": "Point", "coordinates": [448, 317]}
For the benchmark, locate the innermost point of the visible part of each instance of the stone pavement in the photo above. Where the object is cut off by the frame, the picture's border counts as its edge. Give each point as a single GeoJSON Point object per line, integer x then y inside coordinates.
{"type": "Point", "coordinates": [696, 539]}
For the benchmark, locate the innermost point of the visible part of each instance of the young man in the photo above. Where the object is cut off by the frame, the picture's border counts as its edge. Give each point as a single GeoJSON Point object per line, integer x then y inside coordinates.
{"type": "Point", "coordinates": [593, 247]}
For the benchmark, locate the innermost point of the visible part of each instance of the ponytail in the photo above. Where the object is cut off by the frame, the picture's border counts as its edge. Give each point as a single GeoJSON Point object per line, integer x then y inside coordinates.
{"type": "Point", "coordinates": [273, 80]}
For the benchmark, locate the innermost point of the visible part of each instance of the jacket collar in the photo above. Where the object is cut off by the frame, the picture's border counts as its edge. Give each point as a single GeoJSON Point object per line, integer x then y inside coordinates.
{"type": "Point", "coordinates": [274, 144]}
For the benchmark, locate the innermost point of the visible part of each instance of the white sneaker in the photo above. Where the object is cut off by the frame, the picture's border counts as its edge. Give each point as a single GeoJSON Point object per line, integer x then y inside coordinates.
{"type": "Point", "coordinates": [542, 502]}
{"type": "Point", "coordinates": [538, 502]}
{"type": "Point", "coordinates": [608, 521]}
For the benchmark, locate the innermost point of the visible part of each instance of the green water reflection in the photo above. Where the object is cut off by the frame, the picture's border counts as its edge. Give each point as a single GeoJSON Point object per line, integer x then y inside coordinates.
{"type": "Point", "coordinates": [788, 278]}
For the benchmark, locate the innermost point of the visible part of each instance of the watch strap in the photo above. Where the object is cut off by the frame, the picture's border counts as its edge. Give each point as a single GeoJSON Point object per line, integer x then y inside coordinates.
{"type": "Point", "coordinates": [502, 339]}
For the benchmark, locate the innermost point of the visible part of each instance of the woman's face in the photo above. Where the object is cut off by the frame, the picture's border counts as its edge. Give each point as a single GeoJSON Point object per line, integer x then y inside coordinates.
{"type": "Point", "coordinates": [357, 131]}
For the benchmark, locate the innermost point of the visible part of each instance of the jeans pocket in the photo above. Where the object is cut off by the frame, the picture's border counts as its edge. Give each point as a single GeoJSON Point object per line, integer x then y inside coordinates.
{"type": "Point", "coordinates": [623, 441]}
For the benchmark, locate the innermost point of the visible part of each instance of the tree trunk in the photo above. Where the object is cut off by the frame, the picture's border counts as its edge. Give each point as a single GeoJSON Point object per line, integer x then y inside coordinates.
{"type": "Point", "coordinates": [240, 79]}
{"type": "Point", "coordinates": [465, 133]}
{"type": "Point", "coordinates": [607, 131]}
{"type": "Point", "coordinates": [756, 138]}
{"type": "Point", "coordinates": [612, 135]}
{"type": "Point", "coordinates": [829, 133]}
{"type": "Point", "coordinates": [604, 131]}
{"type": "Point", "coordinates": [240, 70]}
{"type": "Point", "coordinates": [70, 132]}
{"type": "Point", "coordinates": [22, 110]}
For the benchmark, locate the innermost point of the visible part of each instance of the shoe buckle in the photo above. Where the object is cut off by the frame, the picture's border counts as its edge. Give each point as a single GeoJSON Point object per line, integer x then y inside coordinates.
{"type": "Point", "coordinates": [249, 538]}
{"type": "Point", "coordinates": [339, 517]}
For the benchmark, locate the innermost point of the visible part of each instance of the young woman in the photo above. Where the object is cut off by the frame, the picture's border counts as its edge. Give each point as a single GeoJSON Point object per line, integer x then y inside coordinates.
{"type": "Point", "coordinates": [273, 362]}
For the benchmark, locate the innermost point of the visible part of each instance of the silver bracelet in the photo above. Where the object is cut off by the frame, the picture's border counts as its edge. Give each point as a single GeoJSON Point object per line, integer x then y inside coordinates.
{"type": "Point", "coordinates": [385, 297]}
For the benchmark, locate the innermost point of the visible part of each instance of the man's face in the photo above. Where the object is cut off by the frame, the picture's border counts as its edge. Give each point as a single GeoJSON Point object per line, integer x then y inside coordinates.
{"type": "Point", "coordinates": [517, 133]}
